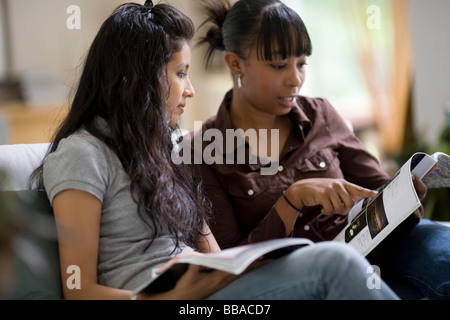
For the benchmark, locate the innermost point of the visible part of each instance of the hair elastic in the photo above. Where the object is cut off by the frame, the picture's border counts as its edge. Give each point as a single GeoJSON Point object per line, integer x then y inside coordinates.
{"type": "Point", "coordinates": [149, 4]}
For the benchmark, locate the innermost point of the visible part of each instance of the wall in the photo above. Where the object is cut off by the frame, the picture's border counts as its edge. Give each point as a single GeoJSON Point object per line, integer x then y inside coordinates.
{"type": "Point", "coordinates": [430, 24]}
{"type": "Point", "coordinates": [2, 47]}
{"type": "Point", "coordinates": [41, 40]}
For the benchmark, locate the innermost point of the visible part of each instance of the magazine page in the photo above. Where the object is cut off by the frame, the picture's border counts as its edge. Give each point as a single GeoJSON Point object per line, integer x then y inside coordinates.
{"type": "Point", "coordinates": [440, 176]}
{"type": "Point", "coordinates": [371, 220]}
{"type": "Point", "coordinates": [233, 260]}
{"type": "Point", "coordinates": [236, 260]}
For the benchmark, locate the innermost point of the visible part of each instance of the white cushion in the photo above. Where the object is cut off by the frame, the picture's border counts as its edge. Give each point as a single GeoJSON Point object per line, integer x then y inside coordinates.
{"type": "Point", "coordinates": [445, 224]}
{"type": "Point", "coordinates": [17, 162]}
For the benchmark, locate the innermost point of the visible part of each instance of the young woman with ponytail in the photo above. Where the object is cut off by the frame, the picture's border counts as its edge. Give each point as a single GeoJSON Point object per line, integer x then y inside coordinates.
{"type": "Point", "coordinates": [323, 168]}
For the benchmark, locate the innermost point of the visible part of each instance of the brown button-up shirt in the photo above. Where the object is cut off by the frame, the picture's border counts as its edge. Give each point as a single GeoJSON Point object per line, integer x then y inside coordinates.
{"type": "Point", "coordinates": [320, 146]}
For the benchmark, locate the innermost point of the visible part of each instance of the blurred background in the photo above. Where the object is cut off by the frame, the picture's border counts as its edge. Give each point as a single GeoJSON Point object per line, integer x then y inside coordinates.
{"type": "Point", "coordinates": [383, 64]}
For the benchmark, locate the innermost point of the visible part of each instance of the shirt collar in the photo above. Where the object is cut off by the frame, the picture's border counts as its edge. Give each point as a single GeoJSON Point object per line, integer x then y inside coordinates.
{"type": "Point", "coordinates": [223, 122]}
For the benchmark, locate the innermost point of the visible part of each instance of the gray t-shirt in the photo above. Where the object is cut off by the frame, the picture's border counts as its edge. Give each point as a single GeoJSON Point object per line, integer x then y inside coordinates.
{"type": "Point", "coordinates": [126, 252]}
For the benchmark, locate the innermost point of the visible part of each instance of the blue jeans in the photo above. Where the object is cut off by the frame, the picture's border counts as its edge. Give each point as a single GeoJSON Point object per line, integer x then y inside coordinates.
{"type": "Point", "coordinates": [415, 260]}
{"type": "Point", "coordinates": [326, 270]}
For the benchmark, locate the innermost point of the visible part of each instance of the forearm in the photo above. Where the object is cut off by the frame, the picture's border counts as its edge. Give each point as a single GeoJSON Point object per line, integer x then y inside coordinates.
{"type": "Point", "coordinates": [287, 214]}
{"type": "Point", "coordinates": [207, 241]}
{"type": "Point", "coordinates": [96, 292]}
{"type": "Point", "coordinates": [99, 292]}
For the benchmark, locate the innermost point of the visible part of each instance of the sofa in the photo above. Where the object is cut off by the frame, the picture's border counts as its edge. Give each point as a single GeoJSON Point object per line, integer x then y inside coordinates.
{"type": "Point", "coordinates": [29, 258]}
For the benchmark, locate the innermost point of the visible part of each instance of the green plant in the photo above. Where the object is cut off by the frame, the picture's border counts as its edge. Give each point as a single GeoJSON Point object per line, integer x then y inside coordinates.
{"type": "Point", "coordinates": [437, 202]}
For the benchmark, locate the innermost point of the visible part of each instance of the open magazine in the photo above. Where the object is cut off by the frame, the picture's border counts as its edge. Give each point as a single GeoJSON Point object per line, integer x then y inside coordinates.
{"type": "Point", "coordinates": [233, 260]}
{"type": "Point", "coordinates": [371, 220]}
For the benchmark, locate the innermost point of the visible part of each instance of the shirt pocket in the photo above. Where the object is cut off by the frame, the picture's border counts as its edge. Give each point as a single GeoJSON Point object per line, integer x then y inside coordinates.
{"type": "Point", "coordinates": [247, 186]}
{"type": "Point", "coordinates": [252, 198]}
{"type": "Point", "coordinates": [321, 163]}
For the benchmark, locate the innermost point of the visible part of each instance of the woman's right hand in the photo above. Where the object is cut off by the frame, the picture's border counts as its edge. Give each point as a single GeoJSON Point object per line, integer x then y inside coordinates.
{"type": "Point", "coordinates": [336, 196]}
{"type": "Point", "coordinates": [194, 284]}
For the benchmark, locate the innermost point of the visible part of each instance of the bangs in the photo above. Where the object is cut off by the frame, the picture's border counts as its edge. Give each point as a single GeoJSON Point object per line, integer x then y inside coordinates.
{"type": "Point", "coordinates": [282, 34]}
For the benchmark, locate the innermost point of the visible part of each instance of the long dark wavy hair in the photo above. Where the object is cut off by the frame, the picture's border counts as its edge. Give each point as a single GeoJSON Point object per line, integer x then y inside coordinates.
{"type": "Point", "coordinates": [122, 81]}
{"type": "Point", "coordinates": [269, 25]}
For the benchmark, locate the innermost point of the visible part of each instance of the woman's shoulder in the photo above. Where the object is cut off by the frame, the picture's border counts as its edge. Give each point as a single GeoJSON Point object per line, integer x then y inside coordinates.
{"type": "Point", "coordinates": [81, 148]}
{"type": "Point", "coordinates": [315, 103]}
{"type": "Point", "coordinates": [82, 141]}
{"type": "Point", "coordinates": [211, 122]}
{"type": "Point", "coordinates": [317, 106]}
{"type": "Point", "coordinates": [79, 162]}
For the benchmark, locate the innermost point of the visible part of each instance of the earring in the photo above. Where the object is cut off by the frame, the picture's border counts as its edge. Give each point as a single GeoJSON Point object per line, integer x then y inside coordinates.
{"type": "Point", "coordinates": [239, 81]}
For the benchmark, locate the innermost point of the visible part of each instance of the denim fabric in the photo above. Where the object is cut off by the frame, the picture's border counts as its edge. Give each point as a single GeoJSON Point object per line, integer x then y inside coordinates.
{"type": "Point", "coordinates": [416, 261]}
{"type": "Point", "coordinates": [326, 270]}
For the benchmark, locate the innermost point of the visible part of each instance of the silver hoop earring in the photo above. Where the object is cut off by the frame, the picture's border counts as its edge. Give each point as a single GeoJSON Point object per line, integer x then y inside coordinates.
{"type": "Point", "coordinates": [239, 80]}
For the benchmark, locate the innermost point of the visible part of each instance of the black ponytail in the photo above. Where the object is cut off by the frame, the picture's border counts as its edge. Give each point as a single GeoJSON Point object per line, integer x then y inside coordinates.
{"type": "Point", "coordinates": [267, 24]}
{"type": "Point", "coordinates": [216, 12]}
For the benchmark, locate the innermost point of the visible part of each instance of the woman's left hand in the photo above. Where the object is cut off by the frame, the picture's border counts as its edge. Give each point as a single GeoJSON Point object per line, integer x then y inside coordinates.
{"type": "Point", "coordinates": [420, 187]}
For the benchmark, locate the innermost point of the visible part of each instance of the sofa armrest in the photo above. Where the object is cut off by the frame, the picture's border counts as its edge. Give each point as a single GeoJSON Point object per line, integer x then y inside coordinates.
{"type": "Point", "coordinates": [29, 234]}
{"type": "Point", "coordinates": [18, 161]}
